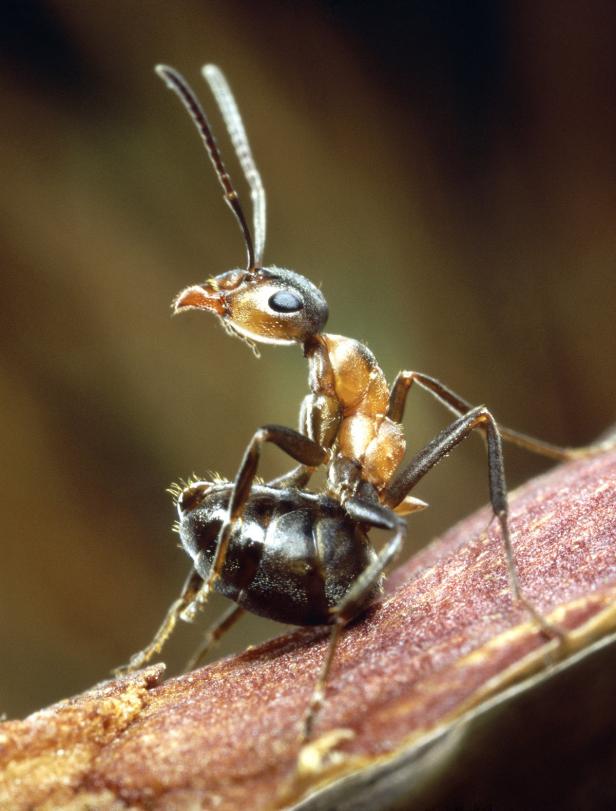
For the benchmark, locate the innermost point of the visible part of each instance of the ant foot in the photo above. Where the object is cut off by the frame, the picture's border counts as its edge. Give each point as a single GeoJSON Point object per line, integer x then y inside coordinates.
{"type": "Point", "coordinates": [320, 754]}
{"type": "Point", "coordinates": [550, 630]}
{"type": "Point", "coordinates": [136, 662]}
{"type": "Point", "coordinates": [313, 759]}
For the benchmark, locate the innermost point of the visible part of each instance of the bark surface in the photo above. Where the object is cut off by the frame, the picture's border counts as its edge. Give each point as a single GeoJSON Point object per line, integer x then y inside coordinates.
{"type": "Point", "coordinates": [446, 641]}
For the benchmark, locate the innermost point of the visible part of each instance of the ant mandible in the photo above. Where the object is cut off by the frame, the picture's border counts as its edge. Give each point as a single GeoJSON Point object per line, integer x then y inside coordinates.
{"type": "Point", "coordinates": [279, 550]}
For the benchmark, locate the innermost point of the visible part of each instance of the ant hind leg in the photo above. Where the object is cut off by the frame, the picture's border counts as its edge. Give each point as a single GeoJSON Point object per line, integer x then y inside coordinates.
{"type": "Point", "coordinates": [459, 406]}
{"type": "Point", "coordinates": [402, 386]}
{"type": "Point", "coordinates": [478, 418]}
{"type": "Point", "coordinates": [188, 594]}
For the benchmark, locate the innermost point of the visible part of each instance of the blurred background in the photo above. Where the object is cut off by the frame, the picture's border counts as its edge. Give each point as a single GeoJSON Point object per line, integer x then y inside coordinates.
{"type": "Point", "coordinates": [445, 170]}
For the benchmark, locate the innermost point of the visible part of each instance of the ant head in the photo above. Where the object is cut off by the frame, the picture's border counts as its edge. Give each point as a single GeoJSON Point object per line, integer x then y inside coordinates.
{"type": "Point", "coordinates": [269, 305]}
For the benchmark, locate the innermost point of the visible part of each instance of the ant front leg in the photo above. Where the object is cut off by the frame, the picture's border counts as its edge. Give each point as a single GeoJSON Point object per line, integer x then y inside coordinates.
{"type": "Point", "coordinates": [354, 602]}
{"type": "Point", "coordinates": [189, 592]}
{"type": "Point", "coordinates": [459, 406]}
{"type": "Point", "coordinates": [298, 447]}
{"type": "Point", "coordinates": [477, 418]}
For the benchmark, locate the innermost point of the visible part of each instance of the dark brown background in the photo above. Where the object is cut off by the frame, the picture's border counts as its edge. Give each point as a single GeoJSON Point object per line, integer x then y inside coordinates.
{"type": "Point", "coordinates": [445, 170]}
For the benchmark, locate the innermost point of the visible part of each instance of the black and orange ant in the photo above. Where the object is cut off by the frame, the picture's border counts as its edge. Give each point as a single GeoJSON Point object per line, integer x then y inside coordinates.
{"type": "Point", "coordinates": [278, 549]}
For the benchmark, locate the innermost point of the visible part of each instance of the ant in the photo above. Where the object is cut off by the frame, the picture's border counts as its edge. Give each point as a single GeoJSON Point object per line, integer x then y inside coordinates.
{"type": "Point", "coordinates": [278, 549]}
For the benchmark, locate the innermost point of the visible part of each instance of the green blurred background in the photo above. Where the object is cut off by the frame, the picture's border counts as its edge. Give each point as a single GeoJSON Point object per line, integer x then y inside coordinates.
{"type": "Point", "coordinates": [445, 170]}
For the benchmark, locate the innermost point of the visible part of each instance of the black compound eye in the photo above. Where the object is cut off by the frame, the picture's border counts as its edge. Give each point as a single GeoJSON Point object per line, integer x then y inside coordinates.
{"type": "Point", "coordinates": [286, 301]}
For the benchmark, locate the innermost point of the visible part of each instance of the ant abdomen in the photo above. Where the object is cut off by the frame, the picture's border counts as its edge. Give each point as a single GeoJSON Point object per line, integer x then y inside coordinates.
{"type": "Point", "coordinates": [292, 559]}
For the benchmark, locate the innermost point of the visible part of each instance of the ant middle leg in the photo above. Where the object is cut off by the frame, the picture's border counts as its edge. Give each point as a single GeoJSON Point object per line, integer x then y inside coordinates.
{"type": "Point", "coordinates": [188, 594]}
{"type": "Point", "coordinates": [459, 406]}
{"type": "Point", "coordinates": [354, 602]}
{"type": "Point", "coordinates": [295, 445]}
{"type": "Point", "coordinates": [478, 418]}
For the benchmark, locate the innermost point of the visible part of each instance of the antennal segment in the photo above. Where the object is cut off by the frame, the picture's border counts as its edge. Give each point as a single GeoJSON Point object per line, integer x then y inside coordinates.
{"type": "Point", "coordinates": [179, 85]}
{"type": "Point", "coordinates": [235, 127]}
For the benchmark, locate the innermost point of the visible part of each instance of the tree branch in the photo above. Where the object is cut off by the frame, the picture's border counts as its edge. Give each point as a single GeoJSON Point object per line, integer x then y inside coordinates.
{"type": "Point", "coordinates": [442, 695]}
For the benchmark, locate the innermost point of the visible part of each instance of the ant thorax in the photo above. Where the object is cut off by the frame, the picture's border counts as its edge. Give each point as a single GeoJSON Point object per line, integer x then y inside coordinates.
{"type": "Point", "coordinates": [364, 433]}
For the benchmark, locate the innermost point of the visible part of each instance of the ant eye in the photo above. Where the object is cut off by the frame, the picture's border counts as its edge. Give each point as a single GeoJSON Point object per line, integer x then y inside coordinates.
{"type": "Point", "coordinates": [286, 301]}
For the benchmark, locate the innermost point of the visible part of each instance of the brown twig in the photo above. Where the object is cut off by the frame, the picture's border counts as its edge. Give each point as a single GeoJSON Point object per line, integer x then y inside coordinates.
{"type": "Point", "coordinates": [410, 679]}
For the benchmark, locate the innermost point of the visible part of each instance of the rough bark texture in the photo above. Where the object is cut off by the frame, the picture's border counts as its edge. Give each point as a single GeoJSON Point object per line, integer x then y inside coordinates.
{"type": "Point", "coordinates": [447, 640]}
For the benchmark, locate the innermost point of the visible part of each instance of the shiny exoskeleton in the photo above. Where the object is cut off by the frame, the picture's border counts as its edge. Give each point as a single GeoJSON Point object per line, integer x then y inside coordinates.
{"type": "Point", "coordinates": [280, 550]}
{"type": "Point", "coordinates": [294, 558]}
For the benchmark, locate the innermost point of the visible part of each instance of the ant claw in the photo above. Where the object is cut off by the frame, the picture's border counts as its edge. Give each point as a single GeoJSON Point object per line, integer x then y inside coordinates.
{"type": "Point", "coordinates": [320, 754]}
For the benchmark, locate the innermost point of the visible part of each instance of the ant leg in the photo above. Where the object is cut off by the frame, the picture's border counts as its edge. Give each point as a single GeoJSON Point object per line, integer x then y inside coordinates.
{"type": "Point", "coordinates": [459, 406]}
{"type": "Point", "coordinates": [189, 591]}
{"type": "Point", "coordinates": [557, 452]}
{"type": "Point", "coordinates": [319, 420]}
{"type": "Point", "coordinates": [402, 385]}
{"type": "Point", "coordinates": [379, 517]}
{"type": "Point", "coordinates": [213, 634]}
{"type": "Point", "coordinates": [478, 418]}
{"type": "Point", "coordinates": [318, 692]}
{"type": "Point", "coordinates": [354, 601]}
{"type": "Point", "coordinates": [296, 445]}
{"type": "Point", "coordinates": [298, 477]}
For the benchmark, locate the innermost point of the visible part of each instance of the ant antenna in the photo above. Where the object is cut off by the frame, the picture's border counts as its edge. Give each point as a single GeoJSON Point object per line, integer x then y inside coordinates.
{"type": "Point", "coordinates": [235, 127]}
{"type": "Point", "coordinates": [179, 85]}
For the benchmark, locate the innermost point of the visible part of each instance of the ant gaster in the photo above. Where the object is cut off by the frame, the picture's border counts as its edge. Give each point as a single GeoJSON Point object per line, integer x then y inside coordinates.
{"type": "Point", "coordinates": [278, 549]}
